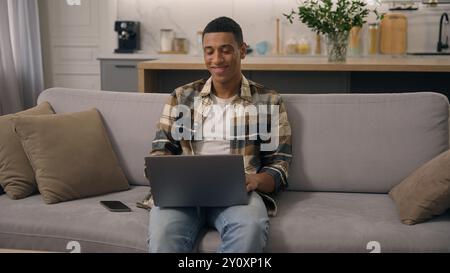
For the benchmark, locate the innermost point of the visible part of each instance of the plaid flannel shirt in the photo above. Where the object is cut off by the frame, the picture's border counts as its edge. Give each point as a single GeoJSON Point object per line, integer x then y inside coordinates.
{"type": "Point", "coordinates": [275, 162]}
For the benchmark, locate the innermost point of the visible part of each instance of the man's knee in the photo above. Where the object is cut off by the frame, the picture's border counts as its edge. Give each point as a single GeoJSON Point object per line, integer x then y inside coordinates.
{"type": "Point", "coordinates": [246, 235]}
{"type": "Point", "coordinates": [168, 240]}
{"type": "Point", "coordinates": [255, 228]}
{"type": "Point", "coordinates": [173, 230]}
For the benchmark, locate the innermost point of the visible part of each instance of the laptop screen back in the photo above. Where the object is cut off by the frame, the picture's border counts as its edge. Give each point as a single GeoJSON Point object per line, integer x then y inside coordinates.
{"type": "Point", "coordinates": [197, 180]}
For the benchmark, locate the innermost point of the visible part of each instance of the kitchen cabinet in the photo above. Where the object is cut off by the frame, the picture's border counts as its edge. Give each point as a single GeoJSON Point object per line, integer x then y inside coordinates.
{"type": "Point", "coordinates": [119, 75]}
{"type": "Point", "coordinates": [165, 81]}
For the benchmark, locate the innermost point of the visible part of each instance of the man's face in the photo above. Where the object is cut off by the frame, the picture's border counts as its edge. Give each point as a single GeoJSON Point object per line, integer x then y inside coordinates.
{"type": "Point", "coordinates": [223, 56]}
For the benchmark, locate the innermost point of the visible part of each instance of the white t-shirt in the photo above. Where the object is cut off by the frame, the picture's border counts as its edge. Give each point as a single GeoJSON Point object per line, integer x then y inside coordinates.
{"type": "Point", "coordinates": [214, 131]}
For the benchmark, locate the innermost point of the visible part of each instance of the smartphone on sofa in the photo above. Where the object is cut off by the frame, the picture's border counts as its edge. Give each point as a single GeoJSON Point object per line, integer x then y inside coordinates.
{"type": "Point", "coordinates": [115, 206]}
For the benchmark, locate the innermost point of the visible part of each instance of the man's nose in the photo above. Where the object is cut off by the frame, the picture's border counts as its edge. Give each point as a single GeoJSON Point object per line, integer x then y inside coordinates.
{"type": "Point", "coordinates": [217, 58]}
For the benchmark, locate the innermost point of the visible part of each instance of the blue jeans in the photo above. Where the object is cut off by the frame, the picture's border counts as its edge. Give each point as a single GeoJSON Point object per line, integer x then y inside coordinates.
{"type": "Point", "coordinates": [242, 228]}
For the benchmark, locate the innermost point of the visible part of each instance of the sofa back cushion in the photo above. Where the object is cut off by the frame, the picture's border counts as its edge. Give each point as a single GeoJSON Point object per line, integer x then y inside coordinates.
{"type": "Point", "coordinates": [341, 142]}
{"type": "Point", "coordinates": [16, 174]}
{"type": "Point", "coordinates": [425, 193]}
{"type": "Point", "coordinates": [130, 120]}
{"type": "Point", "coordinates": [71, 155]}
{"type": "Point", "coordinates": [363, 142]}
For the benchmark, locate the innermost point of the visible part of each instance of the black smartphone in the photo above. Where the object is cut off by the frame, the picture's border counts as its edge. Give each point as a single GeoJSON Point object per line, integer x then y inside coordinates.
{"type": "Point", "coordinates": [115, 206]}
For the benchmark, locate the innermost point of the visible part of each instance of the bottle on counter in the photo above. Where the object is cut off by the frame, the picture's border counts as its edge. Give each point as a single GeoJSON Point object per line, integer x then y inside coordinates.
{"type": "Point", "coordinates": [167, 38]}
{"type": "Point", "coordinates": [303, 46]}
{"type": "Point", "coordinates": [373, 38]}
{"type": "Point", "coordinates": [199, 43]}
{"type": "Point", "coordinates": [291, 46]}
{"type": "Point", "coordinates": [180, 45]}
{"type": "Point", "coordinates": [354, 45]}
{"type": "Point", "coordinates": [318, 48]}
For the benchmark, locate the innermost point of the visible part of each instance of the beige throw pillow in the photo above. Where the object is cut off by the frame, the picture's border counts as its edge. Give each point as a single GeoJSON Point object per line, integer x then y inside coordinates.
{"type": "Point", "coordinates": [16, 174]}
{"type": "Point", "coordinates": [425, 193]}
{"type": "Point", "coordinates": [71, 155]}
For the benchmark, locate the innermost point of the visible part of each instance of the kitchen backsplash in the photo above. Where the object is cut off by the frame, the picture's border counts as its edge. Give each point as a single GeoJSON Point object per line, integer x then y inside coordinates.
{"type": "Point", "coordinates": [258, 21]}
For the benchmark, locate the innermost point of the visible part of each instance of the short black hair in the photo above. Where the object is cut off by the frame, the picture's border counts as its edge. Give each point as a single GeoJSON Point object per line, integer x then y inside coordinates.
{"type": "Point", "coordinates": [225, 24]}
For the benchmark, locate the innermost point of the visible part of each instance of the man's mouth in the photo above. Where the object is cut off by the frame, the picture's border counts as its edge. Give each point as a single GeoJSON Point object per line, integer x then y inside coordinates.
{"type": "Point", "coordinates": [219, 69]}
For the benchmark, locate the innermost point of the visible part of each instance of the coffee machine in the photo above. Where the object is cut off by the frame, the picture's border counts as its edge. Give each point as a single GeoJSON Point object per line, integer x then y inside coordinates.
{"type": "Point", "coordinates": [128, 36]}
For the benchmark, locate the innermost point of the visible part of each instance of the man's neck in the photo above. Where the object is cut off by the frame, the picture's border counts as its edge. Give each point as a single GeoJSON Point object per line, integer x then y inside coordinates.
{"type": "Point", "coordinates": [225, 91]}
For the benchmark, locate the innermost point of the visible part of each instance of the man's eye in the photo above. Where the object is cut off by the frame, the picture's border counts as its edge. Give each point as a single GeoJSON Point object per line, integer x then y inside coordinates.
{"type": "Point", "coordinates": [227, 49]}
{"type": "Point", "coordinates": [208, 51]}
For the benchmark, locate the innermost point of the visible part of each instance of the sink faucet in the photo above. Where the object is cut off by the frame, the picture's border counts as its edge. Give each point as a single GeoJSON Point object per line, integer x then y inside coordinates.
{"type": "Point", "coordinates": [441, 45]}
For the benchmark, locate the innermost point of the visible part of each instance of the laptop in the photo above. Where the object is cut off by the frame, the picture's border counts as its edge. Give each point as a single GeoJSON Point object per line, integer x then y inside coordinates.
{"type": "Point", "coordinates": [197, 180]}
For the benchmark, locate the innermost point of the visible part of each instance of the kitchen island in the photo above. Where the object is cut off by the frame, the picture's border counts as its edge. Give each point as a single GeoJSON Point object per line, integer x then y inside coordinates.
{"type": "Point", "coordinates": [311, 74]}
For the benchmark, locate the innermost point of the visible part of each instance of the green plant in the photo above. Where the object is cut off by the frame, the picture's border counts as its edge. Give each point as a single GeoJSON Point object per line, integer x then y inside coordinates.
{"type": "Point", "coordinates": [326, 17]}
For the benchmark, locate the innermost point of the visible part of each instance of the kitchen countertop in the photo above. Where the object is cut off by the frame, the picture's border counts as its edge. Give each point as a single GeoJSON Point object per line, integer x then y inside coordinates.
{"type": "Point", "coordinates": [151, 72]}
{"type": "Point", "coordinates": [381, 63]}
{"type": "Point", "coordinates": [128, 56]}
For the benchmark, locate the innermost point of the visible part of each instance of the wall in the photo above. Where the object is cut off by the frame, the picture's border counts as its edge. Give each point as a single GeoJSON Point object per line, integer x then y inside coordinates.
{"type": "Point", "coordinates": [423, 26]}
{"type": "Point", "coordinates": [74, 36]}
{"type": "Point", "coordinates": [256, 17]}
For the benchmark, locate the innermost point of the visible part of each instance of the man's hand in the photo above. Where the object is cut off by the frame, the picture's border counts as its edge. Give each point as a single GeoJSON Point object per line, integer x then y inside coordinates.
{"type": "Point", "coordinates": [251, 182]}
{"type": "Point", "coordinates": [261, 181]}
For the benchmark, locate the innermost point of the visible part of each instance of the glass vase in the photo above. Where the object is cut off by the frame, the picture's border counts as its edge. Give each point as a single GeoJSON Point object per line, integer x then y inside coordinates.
{"type": "Point", "coordinates": [337, 46]}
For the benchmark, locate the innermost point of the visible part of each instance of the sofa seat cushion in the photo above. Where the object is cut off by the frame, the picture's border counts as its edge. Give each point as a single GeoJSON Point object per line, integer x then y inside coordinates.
{"type": "Point", "coordinates": [33, 225]}
{"type": "Point", "coordinates": [307, 222]}
{"type": "Point", "coordinates": [345, 222]}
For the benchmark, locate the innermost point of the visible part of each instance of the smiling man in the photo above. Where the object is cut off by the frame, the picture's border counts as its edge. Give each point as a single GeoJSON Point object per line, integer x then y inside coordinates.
{"type": "Point", "coordinates": [242, 228]}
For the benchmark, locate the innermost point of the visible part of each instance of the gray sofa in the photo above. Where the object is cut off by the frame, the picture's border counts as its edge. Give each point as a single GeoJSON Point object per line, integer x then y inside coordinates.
{"type": "Point", "coordinates": [349, 151]}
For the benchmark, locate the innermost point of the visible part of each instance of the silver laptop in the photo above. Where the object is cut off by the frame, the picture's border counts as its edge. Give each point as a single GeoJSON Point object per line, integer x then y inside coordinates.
{"type": "Point", "coordinates": [197, 180]}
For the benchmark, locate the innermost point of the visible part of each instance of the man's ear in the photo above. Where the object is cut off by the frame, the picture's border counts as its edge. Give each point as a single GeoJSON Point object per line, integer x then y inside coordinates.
{"type": "Point", "coordinates": [243, 50]}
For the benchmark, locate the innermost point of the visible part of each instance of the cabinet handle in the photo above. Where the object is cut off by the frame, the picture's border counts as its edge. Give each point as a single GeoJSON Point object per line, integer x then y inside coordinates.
{"type": "Point", "coordinates": [124, 66]}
